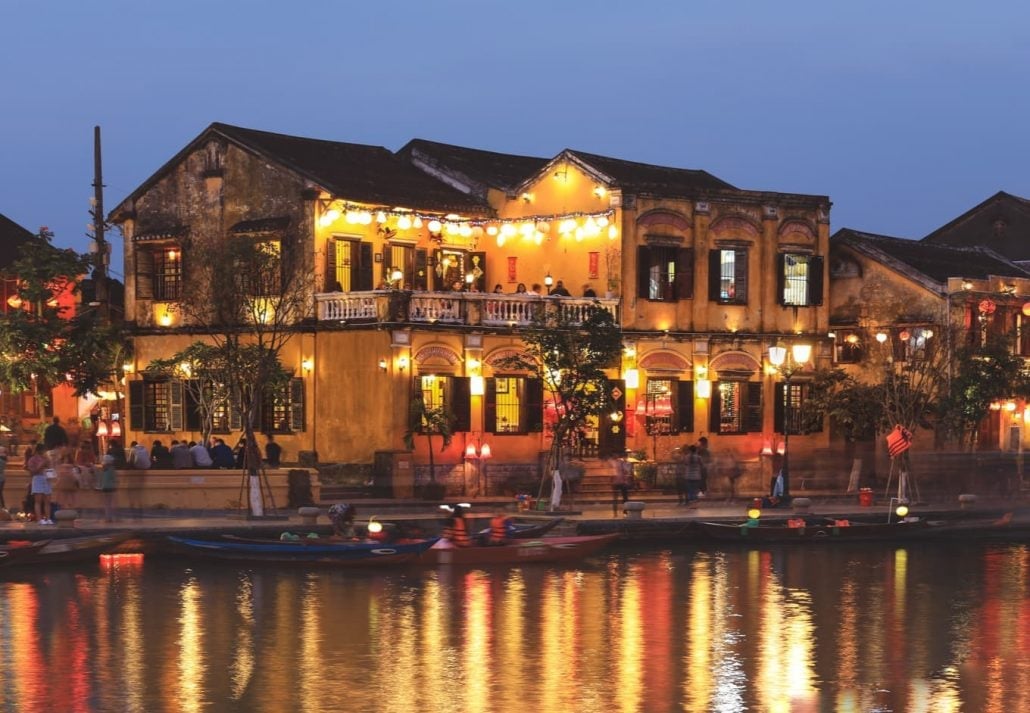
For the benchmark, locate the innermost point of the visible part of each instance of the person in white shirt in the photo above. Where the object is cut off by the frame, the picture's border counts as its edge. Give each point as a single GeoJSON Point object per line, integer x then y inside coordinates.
{"type": "Point", "coordinates": [139, 456]}
{"type": "Point", "coordinates": [200, 455]}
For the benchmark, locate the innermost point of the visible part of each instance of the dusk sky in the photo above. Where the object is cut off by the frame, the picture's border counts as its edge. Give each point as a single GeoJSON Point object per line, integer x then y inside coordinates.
{"type": "Point", "coordinates": [905, 113]}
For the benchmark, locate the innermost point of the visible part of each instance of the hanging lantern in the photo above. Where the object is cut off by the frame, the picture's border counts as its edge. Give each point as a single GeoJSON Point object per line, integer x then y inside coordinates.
{"type": "Point", "coordinates": [905, 335]}
{"type": "Point", "coordinates": [116, 429]}
{"type": "Point", "coordinates": [102, 431]}
{"type": "Point", "coordinates": [987, 306]}
{"type": "Point", "coordinates": [1026, 309]}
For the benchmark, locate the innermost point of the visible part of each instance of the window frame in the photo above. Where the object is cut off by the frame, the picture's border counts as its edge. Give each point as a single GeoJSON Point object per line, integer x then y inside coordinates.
{"type": "Point", "coordinates": [530, 406]}
{"type": "Point", "coordinates": [739, 281]}
{"type": "Point", "coordinates": [665, 273]}
{"type": "Point", "coordinates": [845, 352]}
{"type": "Point", "coordinates": [749, 406]}
{"type": "Point", "coordinates": [810, 284]}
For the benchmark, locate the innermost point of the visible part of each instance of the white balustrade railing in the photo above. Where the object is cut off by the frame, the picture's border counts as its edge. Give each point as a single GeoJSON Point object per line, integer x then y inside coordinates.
{"type": "Point", "coordinates": [436, 307]}
{"type": "Point", "coordinates": [455, 307]}
{"type": "Point", "coordinates": [347, 306]}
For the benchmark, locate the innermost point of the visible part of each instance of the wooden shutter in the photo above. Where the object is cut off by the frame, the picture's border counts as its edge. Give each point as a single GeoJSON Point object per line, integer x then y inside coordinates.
{"type": "Point", "coordinates": [297, 404]}
{"type": "Point", "coordinates": [475, 260]}
{"type": "Point", "coordinates": [490, 405]}
{"type": "Point", "coordinates": [421, 278]}
{"type": "Point", "coordinates": [779, 398]}
{"type": "Point", "coordinates": [137, 409]}
{"type": "Point", "coordinates": [236, 413]}
{"type": "Point", "coordinates": [175, 405]}
{"type": "Point", "coordinates": [714, 409]}
{"type": "Point", "coordinates": [461, 403]}
{"type": "Point", "coordinates": [330, 265]}
{"type": "Point", "coordinates": [815, 280]}
{"type": "Point", "coordinates": [643, 272]}
{"type": "Point", "coordinates": [364, 267]}
{"type": "Point", "coordinates": [387, 264]}
{"type": "Point", "coordinates": [714, 275]}
{"type": "Point", "coordinates": [193, 420]}
{"type": "Point", "coordinates": [144, 274]}
{"type": "Point", "coordinates": [684, 274]}
{"type": "Point", "coordinates": [684, 406]}
{"type": "Point", "coordinates": [740, 276]}
{"type": "Point", "coordinates": [752, 405]}
{"type": "Point", "coordinates": [781, 278]}
{"type": "Point", "coordinates": [534, 405]}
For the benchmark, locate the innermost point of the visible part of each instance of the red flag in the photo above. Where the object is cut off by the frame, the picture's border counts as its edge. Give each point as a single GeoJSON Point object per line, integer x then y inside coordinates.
{"type": "Point", "coordinates": [898, 441]}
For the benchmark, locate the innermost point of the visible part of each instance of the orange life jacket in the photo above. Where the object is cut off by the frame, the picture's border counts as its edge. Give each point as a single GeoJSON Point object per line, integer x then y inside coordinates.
{"type": "Point", "coordinates": [499, 529]}
{"type": "Point", "coordinates": [796, 522]}
{"type": "Point", "coordinates": [459, 532]}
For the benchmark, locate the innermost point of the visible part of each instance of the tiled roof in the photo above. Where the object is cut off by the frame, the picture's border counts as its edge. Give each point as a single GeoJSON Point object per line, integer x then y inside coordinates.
{"type": "Point", "coordinates": [938, 262]}
{"type": "Point", "coordinates": [635, 177]}
{"type": "Point", "coordinates": [12, 236]}
{"type": "Point", "coordinates": [368, 174]}
{"type": "Point", "coordinates": [261, 225]}
{"type": "Point", "coordinates": [498, 170]}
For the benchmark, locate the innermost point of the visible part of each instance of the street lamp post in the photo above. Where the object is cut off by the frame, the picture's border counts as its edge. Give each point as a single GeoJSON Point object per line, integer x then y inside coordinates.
{"type": "Point", "coordinates": [787, 365]}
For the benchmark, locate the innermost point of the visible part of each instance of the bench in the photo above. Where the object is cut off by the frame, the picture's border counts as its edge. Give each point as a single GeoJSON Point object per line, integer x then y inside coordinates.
{"type": "Point", "coordinates": [634, 509]}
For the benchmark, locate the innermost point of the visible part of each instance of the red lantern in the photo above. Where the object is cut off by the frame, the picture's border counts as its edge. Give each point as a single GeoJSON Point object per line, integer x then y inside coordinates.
{"type": "Point", "coordinates": [987, 306]}
{"type": "Point", "coordinates": [1026, 309]}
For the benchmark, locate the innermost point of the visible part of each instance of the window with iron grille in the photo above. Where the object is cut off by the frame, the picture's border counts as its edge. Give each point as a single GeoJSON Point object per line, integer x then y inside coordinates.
{"type": "Point", "coordinates": [168, 274]}
{"type": "Point", "coordinates": [800, 279]}
{"type": "Point", "coordinates": [157, 405]}
{"type": "Point", "coordinates": [727, 275]}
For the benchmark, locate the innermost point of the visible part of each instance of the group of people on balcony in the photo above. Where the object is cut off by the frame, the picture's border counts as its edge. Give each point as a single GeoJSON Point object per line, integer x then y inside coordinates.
{"type": "Point", "coordinates": [559, 290]}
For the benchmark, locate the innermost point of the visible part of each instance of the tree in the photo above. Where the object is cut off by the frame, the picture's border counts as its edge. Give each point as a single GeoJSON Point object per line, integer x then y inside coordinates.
{"type": "Point", "coordinates": [428, 421]}
{"type": "Point", "coordinates": [853, 407]}
{"type": "Point", "coordinates": [205, 378]}
{"type": "Point", "coordinates": [42, 341]}
{"type": "Point", "coordinates": [247, 294]}
{"type": "Point", "coordinates": [571, 359]}
{"type": "Point", "coordinates": [983, 374]}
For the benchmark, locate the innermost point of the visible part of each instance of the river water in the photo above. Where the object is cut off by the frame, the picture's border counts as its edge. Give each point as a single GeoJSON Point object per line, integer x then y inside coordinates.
{"type": "Point", "coordinates": [931, 627]}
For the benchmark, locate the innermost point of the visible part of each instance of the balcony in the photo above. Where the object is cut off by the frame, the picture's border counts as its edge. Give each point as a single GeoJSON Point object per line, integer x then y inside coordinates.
{"type": "Point", "coordinates": [462, 308]}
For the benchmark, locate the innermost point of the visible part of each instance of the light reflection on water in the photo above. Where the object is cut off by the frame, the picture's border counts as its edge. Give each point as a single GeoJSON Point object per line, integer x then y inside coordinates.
{"type": "Point", "coordinates": [927, 628]}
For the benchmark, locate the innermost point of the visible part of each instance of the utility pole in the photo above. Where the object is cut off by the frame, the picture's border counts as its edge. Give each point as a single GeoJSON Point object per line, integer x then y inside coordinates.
{"type": "Point", "coordinates": [100, 246]}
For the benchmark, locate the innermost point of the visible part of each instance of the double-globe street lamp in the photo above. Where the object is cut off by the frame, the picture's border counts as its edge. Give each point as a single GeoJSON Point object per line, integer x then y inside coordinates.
{"type": "Point", "coordinates": [787, 364]}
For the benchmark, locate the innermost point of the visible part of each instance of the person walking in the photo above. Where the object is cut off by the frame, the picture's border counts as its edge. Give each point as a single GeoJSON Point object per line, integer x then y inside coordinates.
{"type": "Point", "coordinates": [3, 467]}
{"type": "Point", "coordinates": [622, 480]}
{"type": "Point", "coordinates": [38, 464]}
{"type": "Point", "coordinates": [693, 466]}
{"type": "Point", "coordinates": [108, 485]}
{"type": "Point", "coordinates": [706, 463]}
{"type": "Point", "coordinates": [55, 438]}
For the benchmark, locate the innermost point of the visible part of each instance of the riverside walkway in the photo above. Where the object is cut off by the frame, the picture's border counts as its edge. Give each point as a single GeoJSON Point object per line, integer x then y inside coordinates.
{"type": "Point", "coordinates": [659, 518]}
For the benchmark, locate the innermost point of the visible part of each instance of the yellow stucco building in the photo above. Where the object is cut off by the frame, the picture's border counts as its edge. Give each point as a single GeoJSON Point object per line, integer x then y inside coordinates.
{"type": "Point", "coordinates": [425, 263]}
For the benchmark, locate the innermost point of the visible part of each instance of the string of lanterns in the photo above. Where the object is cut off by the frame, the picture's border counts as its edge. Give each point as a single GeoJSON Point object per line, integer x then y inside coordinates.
{"type": "Point", "coordinates": [575, 225]}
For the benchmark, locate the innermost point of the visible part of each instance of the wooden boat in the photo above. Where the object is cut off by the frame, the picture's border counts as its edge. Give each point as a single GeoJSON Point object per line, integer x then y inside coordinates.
{"type": "Point", "coordinates": [68, 549]}
{"type": "Point", "coordinates": [525, 530]}
{"type": "Point", "coordinates": [826, 530]}
{"type": "Point", "coordinates": [320, 551]}
{"type": "Point", "coordinates": [547, 549]}
{"type": "Point", "coordinates": [15, 551]}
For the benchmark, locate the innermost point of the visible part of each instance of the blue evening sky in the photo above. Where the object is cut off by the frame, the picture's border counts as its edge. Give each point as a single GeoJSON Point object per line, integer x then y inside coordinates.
{"type": "Point", "coordinates": [906, 113]}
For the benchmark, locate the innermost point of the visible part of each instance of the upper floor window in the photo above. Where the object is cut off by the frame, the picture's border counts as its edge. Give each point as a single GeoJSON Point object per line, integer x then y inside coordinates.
{"type": "Point", "coordinates": [727, 275]}
{"type": "Point", "coordinates": [800, 280]}
{"type": "Point", "coordinates": [665, 274]}
{"type": "Point", "coordinates": [262, 275]}
{"type": "Point", "coordinates": [159, 272]}
{"type": "Point", "coordinates": [847, 346]}
{"type": "Point", "coordinates": [348, 265]}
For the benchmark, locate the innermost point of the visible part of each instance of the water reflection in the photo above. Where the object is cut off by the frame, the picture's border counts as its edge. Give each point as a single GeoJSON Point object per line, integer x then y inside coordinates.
{"type": "Point", "coordinates": [854, 629]}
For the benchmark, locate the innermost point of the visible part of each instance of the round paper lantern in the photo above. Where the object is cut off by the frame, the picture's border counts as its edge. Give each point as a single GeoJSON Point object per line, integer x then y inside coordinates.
{"type": "Point", "coordinates": [987, 306]}
{"type": "Point", "coordinates": [1026, 309]}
